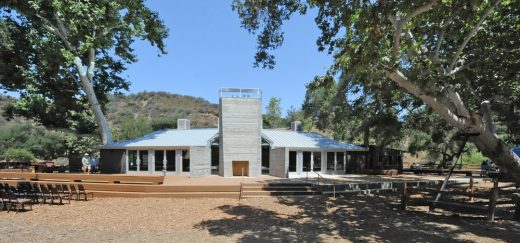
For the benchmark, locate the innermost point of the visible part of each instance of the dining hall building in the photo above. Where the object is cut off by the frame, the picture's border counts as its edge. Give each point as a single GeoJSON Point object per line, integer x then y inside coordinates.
{"type": "Point", "coordinates": [238, 147]}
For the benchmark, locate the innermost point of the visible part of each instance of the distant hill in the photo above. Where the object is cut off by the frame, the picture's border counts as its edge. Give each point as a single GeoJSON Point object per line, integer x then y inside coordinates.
{"type": "Point", "coordinates": [162, 104]}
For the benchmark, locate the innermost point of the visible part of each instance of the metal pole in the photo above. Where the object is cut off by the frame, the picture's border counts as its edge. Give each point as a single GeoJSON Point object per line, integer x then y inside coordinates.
{"type": "Point", "coordinates": [443, 186]}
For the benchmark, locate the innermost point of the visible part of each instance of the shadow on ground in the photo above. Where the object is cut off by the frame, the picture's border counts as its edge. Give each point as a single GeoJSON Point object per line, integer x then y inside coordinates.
{"type": "Point", "coordinates": [352, 218]}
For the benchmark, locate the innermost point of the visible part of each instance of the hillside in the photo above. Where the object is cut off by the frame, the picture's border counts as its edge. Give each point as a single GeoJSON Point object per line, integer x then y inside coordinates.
{"type": "Point", "coordinates": [162, 104]}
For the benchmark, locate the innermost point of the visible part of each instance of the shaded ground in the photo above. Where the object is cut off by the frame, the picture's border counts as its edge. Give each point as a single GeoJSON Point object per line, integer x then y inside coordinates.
{"type": "Point", "coordinates": [354, 218]}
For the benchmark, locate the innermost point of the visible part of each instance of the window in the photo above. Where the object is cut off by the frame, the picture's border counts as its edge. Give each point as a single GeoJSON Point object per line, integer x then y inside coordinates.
{"type": "Point", "coordinates": [340, 159]}
{"type": "Point", "coordinates": [159, 156]}
{"type": "Point", "coordinates": [330, 160]}
{"type": "Point", "coordinates": [317, 161]}
{"type": "Point", "coordinates": [292, 161]}
{"type": "Point", "coordinates": [185, 160]}
{"type": "Point", "coordinates": [143, 155]}
{"type": "Point", "coordinates": [265, 160]}
{"type": "Point", "coordinates": [306, 161]}
{"type": "Point", "coordinates": [132, 160]}
{"type": "Point", "coordinates": [170, 157]}
{"type": "Point", "coordinates": [215, 157]}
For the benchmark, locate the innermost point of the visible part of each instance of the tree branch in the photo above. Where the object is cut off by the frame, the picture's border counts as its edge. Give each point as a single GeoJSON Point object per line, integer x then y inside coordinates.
{"type": "Point", "coordinates": [487, 120]}
{"type": "Point", "coordinates": [53, 29]}
{"type": "Point", "coordinates": [438, 104]}
{"type": "Point", "coordinates": [470, 35]}
{"type": "Point", "coordinates": [440, 39]}
{"type": "Point", "coordinates": [91, 64]}
{"type": "Point", "coordinates": [399, 24]}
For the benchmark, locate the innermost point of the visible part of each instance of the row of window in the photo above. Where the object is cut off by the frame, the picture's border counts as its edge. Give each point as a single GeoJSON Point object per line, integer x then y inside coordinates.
{"type": "Point", "coordinates": [159, 158]}
{"type": "Point", "coordinates": [316, 156]}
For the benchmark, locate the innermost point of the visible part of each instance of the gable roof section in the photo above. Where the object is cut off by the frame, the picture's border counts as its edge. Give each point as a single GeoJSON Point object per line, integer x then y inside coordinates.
{"type": "Point", "coordinates": [169, 138]}
{"type": "Point", "coordinates": [203, 137]}
{"type": "Point", "coordinates": [305, 140]}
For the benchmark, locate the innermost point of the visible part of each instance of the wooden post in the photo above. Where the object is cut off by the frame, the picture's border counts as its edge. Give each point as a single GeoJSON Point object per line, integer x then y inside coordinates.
{"type": "Point", "coordinates": [471, 188]}
{"type": "Point", "coordinates": [493, 201]}
{"type": "Point", "coordinates": [516, 198]}
{"type": "Point", "coordinates": [404, 197]}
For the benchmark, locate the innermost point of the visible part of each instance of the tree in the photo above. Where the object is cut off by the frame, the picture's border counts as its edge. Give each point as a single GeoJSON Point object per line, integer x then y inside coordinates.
{"type": "Point", "coordinates": [273, 113]}
{"type": "Point", "coordinates": [133, 128]}
{"type": "Point", "coordinates": [79, 45]}
{"type": "Point", "coordinates": [18, 155]}
{"type": "Point", "coordinates": [458, 57]}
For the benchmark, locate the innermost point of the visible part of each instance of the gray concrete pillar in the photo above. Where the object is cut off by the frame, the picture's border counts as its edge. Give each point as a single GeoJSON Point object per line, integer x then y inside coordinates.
{"type": "Point", "coordinates": [299, 161]}
{"type": "Point", "coordinates": [138, 161]}
{"type": "Point", "coordinates": [178, 161]}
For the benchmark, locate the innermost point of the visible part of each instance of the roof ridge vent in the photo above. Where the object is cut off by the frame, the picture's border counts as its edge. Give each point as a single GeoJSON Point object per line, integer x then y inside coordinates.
{"type": "Point", "coordinates": [297, 126]}
{"type": "Point", "coordinates": [183, 124]}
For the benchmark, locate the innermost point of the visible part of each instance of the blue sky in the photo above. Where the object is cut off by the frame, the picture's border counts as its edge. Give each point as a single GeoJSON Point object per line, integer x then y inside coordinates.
{"type": "Point", "coordinates": [207, 49]}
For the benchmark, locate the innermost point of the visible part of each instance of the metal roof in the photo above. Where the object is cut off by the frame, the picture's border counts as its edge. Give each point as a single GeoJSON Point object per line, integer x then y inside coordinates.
{"type": "Point", "coordinates": [169, 138]}
{"type": "Point", "coordinates": [305, 140]}
{"type": "Point", "coordinates": [202, 137]}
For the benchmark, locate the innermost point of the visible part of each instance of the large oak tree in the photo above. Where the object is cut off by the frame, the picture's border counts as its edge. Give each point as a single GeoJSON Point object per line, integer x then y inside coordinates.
{"type": "Point", "coordinates": [72, 52]}
{"type": "Point", "coordinates": [461, 58]}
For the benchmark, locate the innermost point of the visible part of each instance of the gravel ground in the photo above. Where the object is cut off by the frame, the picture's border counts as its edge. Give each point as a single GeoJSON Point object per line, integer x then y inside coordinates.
{"type": "Point", "coordinates": [350, 219]}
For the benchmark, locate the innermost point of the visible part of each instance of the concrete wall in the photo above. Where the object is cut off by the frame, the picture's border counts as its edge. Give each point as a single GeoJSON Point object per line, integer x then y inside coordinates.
{"type": "Point", "coordinates": [112, 161]}
{"type": "Point", "coordinates": [240, 128]}
{"type": "Point", "coordinates": [200, 161]}
{"type": "Point", "coordinates": [279, 162]}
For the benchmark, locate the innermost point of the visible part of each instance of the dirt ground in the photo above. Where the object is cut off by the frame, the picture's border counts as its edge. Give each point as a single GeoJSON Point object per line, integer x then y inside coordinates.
{"type": "Point", "coordinates": [372, 218]}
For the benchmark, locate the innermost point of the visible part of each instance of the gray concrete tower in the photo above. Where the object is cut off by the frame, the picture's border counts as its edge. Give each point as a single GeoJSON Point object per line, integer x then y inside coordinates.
{"type": "Point", "coordinates": [240, 132]}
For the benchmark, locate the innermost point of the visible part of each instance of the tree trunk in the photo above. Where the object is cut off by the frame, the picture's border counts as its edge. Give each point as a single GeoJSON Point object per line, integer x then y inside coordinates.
{"type": "Point", "coordinates": [498, 151]}
{"type": "Point", "coordinates": [451, 108]}
{"type": "Point", "coordinates": [366, 136]}
{"type": "Point", "coordinates": [88, 88]}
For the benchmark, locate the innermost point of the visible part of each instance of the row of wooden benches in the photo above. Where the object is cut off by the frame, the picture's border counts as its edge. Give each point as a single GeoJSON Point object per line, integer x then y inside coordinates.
{"type": "Point", "coordinates": [83, 178]}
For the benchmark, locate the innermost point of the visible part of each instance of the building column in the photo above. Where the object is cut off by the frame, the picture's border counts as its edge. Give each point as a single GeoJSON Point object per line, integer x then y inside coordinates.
{"type": "Point", "coordinates": [312, 161]}
{"type": "Point", "coordinates": [335, 161]}
{"type": "Point", "coordinates": [164, 160]}
{"type": "Point", "coordinates": [126, 161]}
{"type": "Point", "coordinates": [178, 161]}
{"type": "Point", "coordinates": [299, 162]}
{"type": "Point", "coordinates": [324, 162]}
{"type": "Point", "coordinates": [344, 161]}
{"type": "Point", "coordinates": [151, 161]}
{"type": "Point", "coordinates": [138, 162]}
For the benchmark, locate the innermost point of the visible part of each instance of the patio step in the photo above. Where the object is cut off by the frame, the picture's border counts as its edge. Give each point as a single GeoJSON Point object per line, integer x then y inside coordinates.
{"type": "Point", "coordinates": [233, 195]}
{"type": "Point", "coordinates": [278, 189]}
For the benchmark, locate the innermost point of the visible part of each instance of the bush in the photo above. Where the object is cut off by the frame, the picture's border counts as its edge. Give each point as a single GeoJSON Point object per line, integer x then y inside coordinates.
{"type": "Point", "coordinates": [18, 155]}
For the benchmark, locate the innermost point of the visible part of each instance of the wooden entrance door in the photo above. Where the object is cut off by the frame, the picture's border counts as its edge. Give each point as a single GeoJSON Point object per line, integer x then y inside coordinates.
{"type": "Point", "coordinates": [240, 167]}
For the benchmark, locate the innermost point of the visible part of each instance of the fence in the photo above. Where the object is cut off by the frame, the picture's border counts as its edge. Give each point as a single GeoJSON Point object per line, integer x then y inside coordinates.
{"type": "Point", "coordinates": [465, 197]}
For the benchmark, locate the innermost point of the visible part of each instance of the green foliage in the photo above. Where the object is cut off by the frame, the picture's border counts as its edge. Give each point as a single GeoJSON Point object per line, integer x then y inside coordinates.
{"type": "Point", "coordinates": [473, 158]}
{"type": "Point", "coordinates": [42, 39]}
{"type": "Point", "coordinates": [42, 143]}
{"type": "Point", "coordinates": [159, 123]}
{"type": "Point", "coordinates": [18, 155]}
{"type": "Point", "coordinates": [441, 51]}
{"type": "Point", "coordinates": [79, 145]}
{"type": "Point", "coordinates": [273, 116]}
{"type": "Point", "coordinates": [133, 128]}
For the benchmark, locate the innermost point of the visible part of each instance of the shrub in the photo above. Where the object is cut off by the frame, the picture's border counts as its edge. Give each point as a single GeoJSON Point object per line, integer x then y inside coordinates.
{"type": "Point", "coordinates": [18, 155]}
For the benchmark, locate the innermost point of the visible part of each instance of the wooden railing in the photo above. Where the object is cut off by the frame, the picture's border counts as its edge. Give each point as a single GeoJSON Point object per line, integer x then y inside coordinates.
{"type": "Point", "coordinates": [487, 200]}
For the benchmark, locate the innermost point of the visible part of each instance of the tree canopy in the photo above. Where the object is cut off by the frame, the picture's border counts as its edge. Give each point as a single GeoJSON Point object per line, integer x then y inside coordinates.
{"type": "Point", "coordinates": [64, 57]}
{"type": "Point", "coordinates": [273, 116]}
{"type": "Point", "coordinates": [461, 58]}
